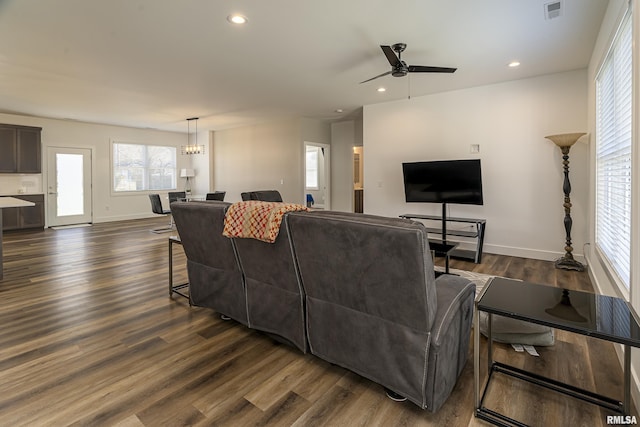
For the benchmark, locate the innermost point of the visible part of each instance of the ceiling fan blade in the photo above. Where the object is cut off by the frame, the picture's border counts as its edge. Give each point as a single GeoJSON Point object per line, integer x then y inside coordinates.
{"type": "Point", "coordinates": [373, 78]}
{"type": "Point", "coordinates": [425, 69]}
{"type": "Point", "coordinates": [391, 56]}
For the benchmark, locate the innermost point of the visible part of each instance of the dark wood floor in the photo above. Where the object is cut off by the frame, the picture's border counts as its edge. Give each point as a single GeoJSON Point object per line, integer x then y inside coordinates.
{"type": "Point", "coordinates": [89, 336]}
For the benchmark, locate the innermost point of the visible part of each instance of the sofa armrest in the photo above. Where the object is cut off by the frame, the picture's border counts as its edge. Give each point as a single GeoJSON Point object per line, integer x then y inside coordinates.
{"type": "Point", "coordinates": [454, 292]}
{"type": "Point", "coordinates": [450, 337]}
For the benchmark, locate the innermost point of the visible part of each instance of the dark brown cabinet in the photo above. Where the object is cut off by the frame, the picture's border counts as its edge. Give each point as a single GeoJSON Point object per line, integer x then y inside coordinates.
{"type": "Point", "coordinates": [10, 219]}
{"type": "Point", "coordinates": [8, 149]}
{"type": "Point", "coordinates": [25, 217]}
{"type": "Point", "coordinates": [20, 149]}
{"type": "Point", "coordinates": [29, 150]}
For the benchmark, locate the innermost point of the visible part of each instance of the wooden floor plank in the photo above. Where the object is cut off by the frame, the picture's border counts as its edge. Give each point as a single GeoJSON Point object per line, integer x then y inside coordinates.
{"type": "Point", "coordinates": [90, 336]}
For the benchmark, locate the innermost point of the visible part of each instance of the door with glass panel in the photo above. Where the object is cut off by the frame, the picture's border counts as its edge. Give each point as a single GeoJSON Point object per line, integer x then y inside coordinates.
{"type": "Point", "coordinates": [68, 186]}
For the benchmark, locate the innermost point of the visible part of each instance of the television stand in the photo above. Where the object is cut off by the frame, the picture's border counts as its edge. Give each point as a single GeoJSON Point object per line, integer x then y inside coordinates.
{"type": "Point", "coordinates": [478, 234]}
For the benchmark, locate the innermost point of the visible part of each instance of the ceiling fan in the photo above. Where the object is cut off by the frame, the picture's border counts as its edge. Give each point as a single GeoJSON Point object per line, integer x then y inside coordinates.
{"type": "Point", "coordinates": [399, 68]}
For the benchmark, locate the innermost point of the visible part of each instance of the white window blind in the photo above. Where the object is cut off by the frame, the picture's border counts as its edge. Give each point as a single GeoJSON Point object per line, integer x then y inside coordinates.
{"type": "Point", "coordinates": [613, 155]}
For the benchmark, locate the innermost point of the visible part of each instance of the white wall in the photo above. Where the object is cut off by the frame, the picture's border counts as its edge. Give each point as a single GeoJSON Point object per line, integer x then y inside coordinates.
{"type": "Point", "coordinates": [345, 135]}
{"type": "Point", "coordinates": [342, 143]}
{"type": "Point", "coordinates": [522, 171]}
{"type": "Point", "coordinates": [64, 133]}
{"type": "Point", "coordinates": [267, 156]}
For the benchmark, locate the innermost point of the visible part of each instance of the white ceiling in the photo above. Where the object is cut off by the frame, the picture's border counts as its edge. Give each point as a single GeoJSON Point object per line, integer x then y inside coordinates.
{"type": "Point", "coordinates": [153, 63]}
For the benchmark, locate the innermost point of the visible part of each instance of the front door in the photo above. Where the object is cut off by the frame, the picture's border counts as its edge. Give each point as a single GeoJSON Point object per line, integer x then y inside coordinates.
{"type": "Point", "coordinates": [68, 186]}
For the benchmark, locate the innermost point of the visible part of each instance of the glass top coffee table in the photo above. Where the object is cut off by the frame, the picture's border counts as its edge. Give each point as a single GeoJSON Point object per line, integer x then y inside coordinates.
{"type": "Point", "coordinates": [604, 317]}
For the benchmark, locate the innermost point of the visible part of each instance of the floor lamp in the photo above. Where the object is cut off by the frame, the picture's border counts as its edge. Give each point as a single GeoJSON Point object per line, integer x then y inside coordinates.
{"type": "Point", "coordinates": [565, 141]}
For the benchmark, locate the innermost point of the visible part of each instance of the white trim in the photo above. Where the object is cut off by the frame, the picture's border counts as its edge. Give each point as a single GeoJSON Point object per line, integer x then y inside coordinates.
{"type": "Point", "coordinates": [526, 252]}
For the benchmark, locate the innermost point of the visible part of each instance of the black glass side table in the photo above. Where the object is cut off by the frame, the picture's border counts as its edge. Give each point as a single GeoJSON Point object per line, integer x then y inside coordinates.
{"type": "Point", "coordinates": [604, 317]}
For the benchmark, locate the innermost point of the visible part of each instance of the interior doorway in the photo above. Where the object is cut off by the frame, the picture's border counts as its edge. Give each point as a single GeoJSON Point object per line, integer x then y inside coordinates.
{"type": "Point", "coordinates": [358, 182]}
{"type": "Point", "coordinates": [317, 176]}
{"type": "Point", "coordinates": [68, 186]}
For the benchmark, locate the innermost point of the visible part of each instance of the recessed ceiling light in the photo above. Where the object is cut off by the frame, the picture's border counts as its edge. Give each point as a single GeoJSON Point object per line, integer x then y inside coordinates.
{"type": "Point", "coordinates": [382, 89]}
{"type": "Point", "coordinates": [237, 19]}
{"type": "Point", "coordinates": [514, 64]}
{"type": "Point", "coordinates": [339, 110]}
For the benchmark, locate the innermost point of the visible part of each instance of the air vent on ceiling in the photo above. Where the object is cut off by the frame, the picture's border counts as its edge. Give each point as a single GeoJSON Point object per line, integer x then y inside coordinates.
{"type": "Point", "coordinates": [553, 10]}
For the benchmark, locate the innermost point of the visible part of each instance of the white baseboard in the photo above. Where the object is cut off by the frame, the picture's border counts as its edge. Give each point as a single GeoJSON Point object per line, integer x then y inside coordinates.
{"type": "Point", "coordinates": [125, 217]}
{"type": "Point", "coordinates": [529, 253]}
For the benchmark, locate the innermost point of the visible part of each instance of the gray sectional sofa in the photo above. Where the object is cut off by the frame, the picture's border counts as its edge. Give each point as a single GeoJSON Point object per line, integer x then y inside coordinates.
{"type": "Point", "coordinates": [356, 290]}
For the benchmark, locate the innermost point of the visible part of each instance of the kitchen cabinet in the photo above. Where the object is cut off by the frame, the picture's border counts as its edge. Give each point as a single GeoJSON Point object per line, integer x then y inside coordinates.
{"type": "Point", "coordinates": [20, 149]}
{"type": "Point", "coordinates": [24, 217]}
{"type": "Point", "coordinates": [8, 149]}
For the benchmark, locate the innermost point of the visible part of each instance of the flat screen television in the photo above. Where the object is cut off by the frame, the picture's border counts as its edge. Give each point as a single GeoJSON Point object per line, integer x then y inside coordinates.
{"type": "Point", "coordinates": [444, 181]}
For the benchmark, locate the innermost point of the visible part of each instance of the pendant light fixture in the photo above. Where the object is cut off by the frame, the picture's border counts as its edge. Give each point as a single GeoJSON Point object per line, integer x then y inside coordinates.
{"type": "Point", "coordinates": [192, 148]}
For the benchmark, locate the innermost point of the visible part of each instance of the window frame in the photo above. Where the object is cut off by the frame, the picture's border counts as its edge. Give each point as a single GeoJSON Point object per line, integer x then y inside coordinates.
{"type": "Point", "coordinates": [611, 266]}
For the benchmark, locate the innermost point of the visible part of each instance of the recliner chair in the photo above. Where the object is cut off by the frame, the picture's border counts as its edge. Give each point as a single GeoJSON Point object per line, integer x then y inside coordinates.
{"type": "Point", "coordinates": [215, 278]}
{"type": "Point", "coordinates": [216, 195]}
{"type": "Point", "coordinates": [156, 207]}
{"type": "Point", "coordinates": [387, 317]}
{"type": "Point", "coordinates": [263, 195]}
{"type": "Point", "coordinates": [274, 294]}
{"type": "Point", "coordinates": [175, 196]}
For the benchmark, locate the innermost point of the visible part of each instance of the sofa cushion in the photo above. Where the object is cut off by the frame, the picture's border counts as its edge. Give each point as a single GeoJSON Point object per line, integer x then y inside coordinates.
{"type": "Point", "coordinates": [514, 331]}
{"type": "Point", "coordinates": [380, 266]}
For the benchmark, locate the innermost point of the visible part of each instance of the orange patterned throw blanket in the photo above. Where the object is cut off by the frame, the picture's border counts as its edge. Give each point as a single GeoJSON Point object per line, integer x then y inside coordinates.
{"type": "Point", "coordinates": [257, 220]}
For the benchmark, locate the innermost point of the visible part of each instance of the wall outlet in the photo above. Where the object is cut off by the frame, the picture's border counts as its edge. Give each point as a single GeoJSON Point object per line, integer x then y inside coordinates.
{"type": "Point", "coordinates": [475, 148]}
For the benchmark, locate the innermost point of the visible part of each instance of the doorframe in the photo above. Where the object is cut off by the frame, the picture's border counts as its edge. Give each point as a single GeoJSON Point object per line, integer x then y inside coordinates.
{"type": "Point", "coordinates": [45, 178]}
{"type": "Point", "coordinates": [327, 171]}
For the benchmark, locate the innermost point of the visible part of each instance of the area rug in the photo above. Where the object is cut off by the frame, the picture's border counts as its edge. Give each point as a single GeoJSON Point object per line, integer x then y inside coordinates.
{"type": "Point", "coordinates": [507, 330]}
{"type": "Point", "coordinates": [479, 279]}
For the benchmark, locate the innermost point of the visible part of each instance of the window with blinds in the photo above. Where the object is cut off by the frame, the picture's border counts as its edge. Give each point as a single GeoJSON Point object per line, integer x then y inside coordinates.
{"type": "Point", "coordinates": [138, 167]}
{"type": "Point", "coordinates": [613, 155]}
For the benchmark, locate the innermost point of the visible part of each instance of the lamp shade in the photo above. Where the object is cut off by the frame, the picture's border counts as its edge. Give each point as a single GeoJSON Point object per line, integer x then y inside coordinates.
{"type": "Point", "coordinates": [187, 173]}
{"type": "Point", "coordinates": [565, 139]}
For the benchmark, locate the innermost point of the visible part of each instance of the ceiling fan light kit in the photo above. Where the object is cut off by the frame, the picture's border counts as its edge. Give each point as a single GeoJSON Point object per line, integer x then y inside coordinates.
{"type": "Point", "coordinates": [399, 68]}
